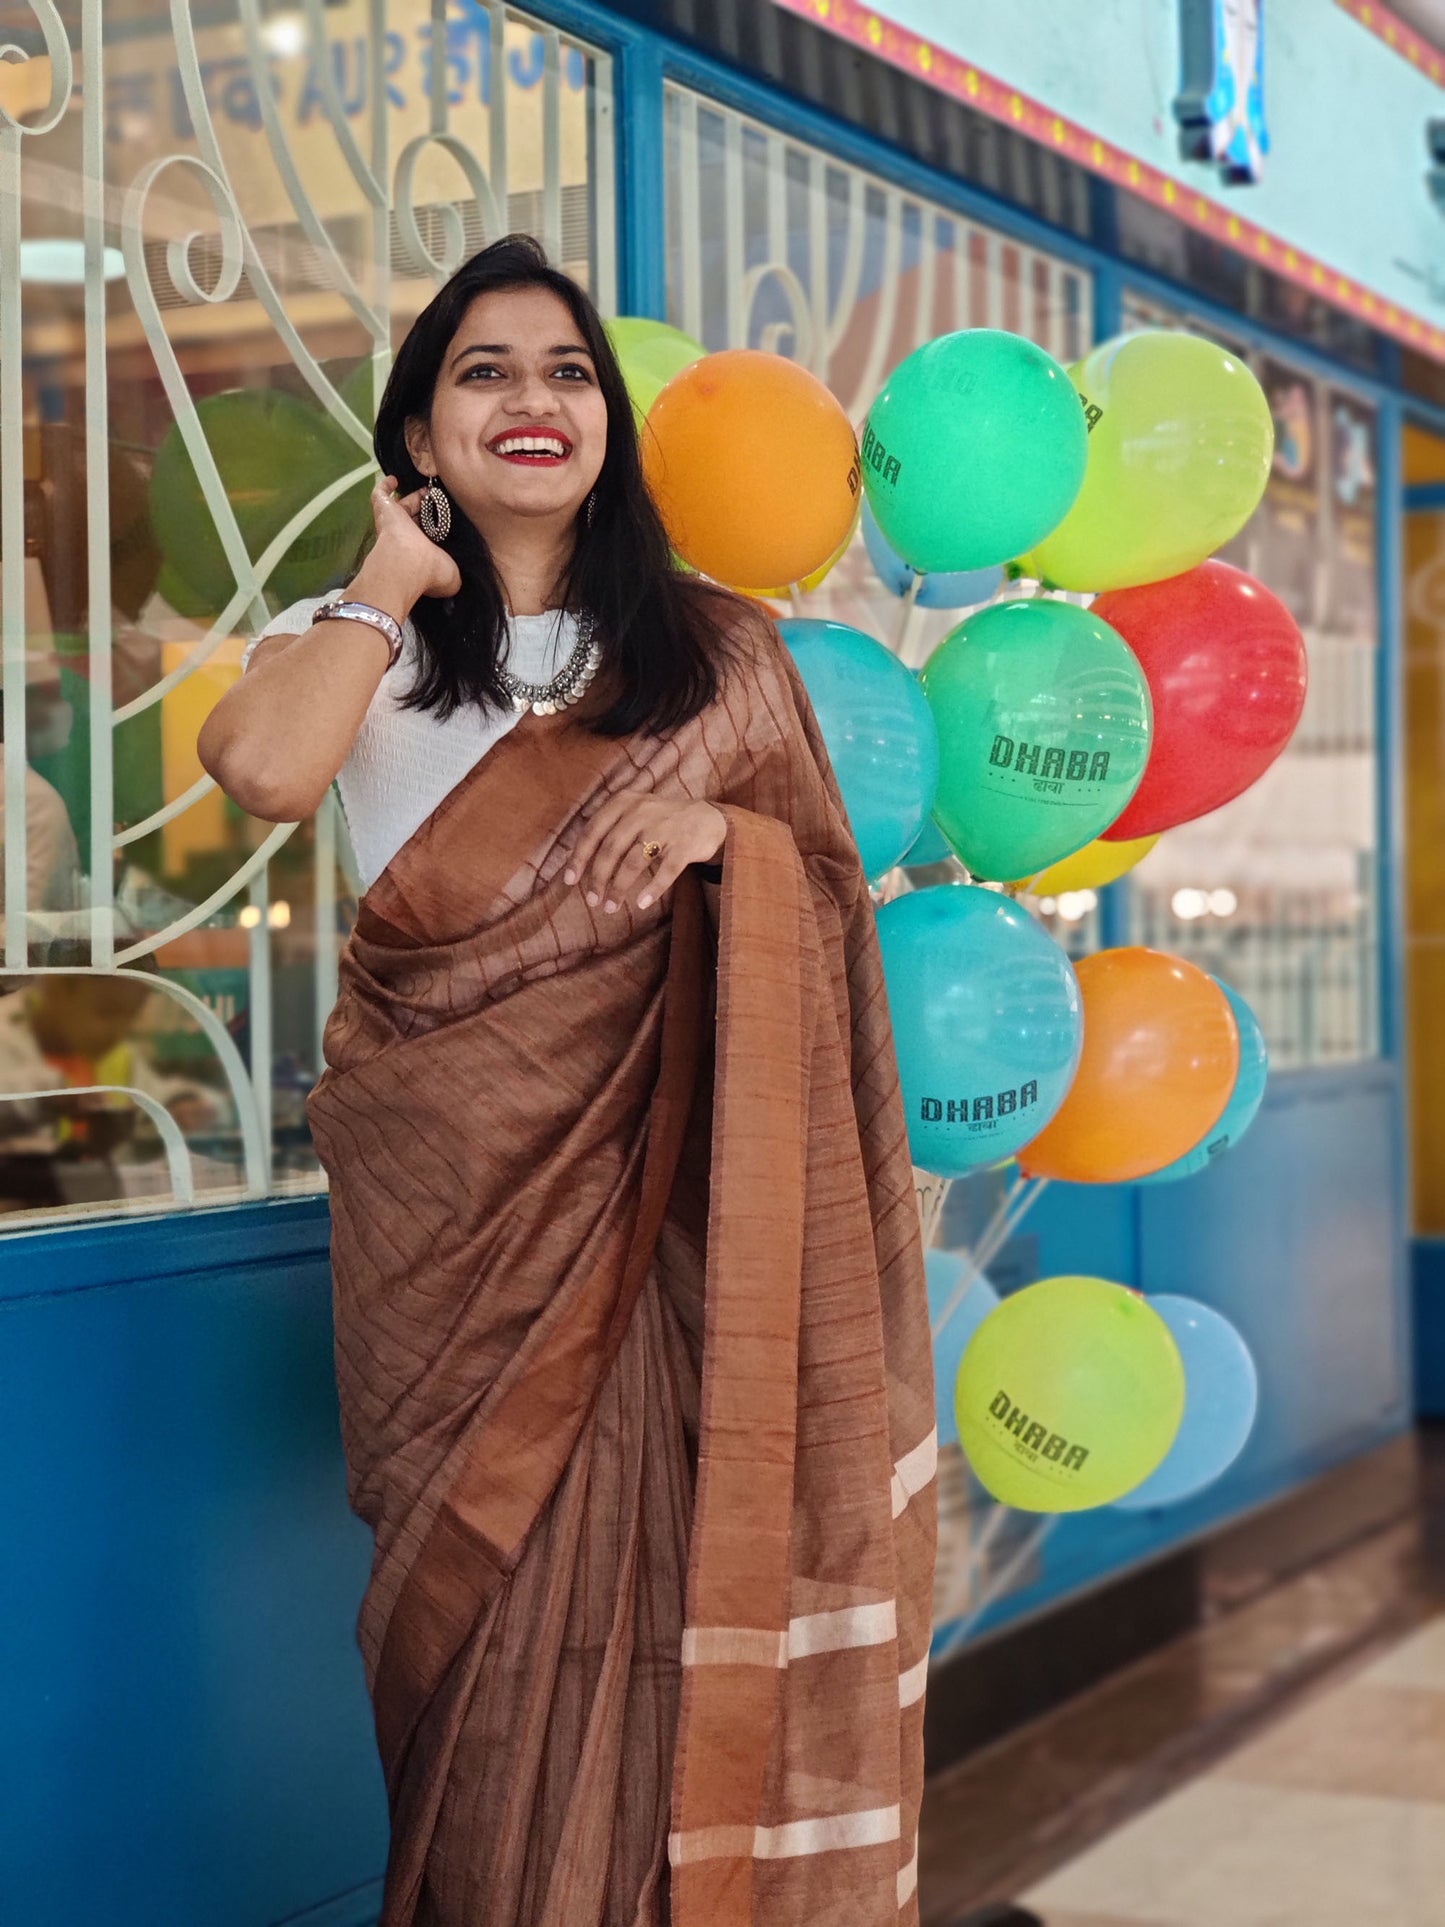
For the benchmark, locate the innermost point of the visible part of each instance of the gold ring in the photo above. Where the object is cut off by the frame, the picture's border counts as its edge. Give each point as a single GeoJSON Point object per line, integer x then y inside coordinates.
{"type": "Point", "coordinates": [652, 851]}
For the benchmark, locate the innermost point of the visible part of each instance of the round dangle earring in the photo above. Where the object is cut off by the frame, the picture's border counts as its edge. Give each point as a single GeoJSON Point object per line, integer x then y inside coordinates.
{"type": "Point", "coordinates": [435, 514]}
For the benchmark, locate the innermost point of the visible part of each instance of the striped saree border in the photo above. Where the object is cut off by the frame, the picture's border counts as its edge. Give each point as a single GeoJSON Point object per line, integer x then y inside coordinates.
{"type": "Point", "coordinates": [915, 1472]}
{"type": "Point", "coordinates": [839, 1631]}
{"type": "Point", "coordinates": [823, 1833]}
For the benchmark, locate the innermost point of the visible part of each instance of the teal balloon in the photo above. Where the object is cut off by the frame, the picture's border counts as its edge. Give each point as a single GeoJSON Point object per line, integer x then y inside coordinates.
{"type": "Point", "coordinates": [987, 1021]}
{"type": "Point", "coordinates": [932, 846]}
{"type": "Point", "coordinates": [880, 733]}
{"type": "Point", "coordinates": [1044, 722]}
{"type": "Point", "coordinates": [974, 451]}
{"type": "Point", "coordinates": [945, 1268]}
{"type": "Point", "coordinates": [1221, 1398]}
{"type": "Point", "coordinates": [955, 591]}
{"type": "Point", "coordinates": [1243, 1106]}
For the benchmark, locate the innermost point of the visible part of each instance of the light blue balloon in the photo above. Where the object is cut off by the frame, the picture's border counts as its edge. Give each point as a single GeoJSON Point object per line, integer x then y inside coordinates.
{"type": "Point", "coordinates": [960, 590]}
{"type": "Point", "coordinates": [880, 733]}
{"type": "Point", "coordinates": [1240, 1111]}
{"type": "Point", "coordinates": [1221, 1397]}
{"type": "Point", "coordinates": [945, 1268]}
{"type": "Point", "coordinates": [987, 1019]}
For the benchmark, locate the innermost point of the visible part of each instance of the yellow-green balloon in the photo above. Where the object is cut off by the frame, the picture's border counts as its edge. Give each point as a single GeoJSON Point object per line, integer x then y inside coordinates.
{"type": "Point", "coordinates": [1070, 1395]}
{"type": "Point", "coordinates": [1180, 445]}
{"type": "Point", "coordinates": [650, 353]}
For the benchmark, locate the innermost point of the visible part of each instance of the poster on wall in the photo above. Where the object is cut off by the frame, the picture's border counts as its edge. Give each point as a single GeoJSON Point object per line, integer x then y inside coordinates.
{"type": "Point", "coordinates": [1350, 599]}
{"type": "Point", "coordinates": [1283, 540]}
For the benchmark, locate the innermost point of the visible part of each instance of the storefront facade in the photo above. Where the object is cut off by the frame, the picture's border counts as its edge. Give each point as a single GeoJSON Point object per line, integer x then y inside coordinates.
{"type": "Point", "coordinates": [214, 223]}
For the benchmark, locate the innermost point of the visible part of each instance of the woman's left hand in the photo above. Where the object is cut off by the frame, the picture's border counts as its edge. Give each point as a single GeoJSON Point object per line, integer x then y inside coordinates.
{"type": "Point", "coordinates": [612, 856]}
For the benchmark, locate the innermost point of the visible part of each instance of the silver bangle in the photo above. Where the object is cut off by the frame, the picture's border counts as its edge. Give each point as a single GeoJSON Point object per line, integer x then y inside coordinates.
{"type": "Point", "coordinates": [388, 626]}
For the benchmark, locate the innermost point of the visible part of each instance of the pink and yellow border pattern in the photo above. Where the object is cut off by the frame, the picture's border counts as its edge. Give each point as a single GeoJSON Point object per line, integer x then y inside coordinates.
{"type": "Point", "coordinates": [1398, 35]}
{"type": "Point", "coordinates": [911, 52]}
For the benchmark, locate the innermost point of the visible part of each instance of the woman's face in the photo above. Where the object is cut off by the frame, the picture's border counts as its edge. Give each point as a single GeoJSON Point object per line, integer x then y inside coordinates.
{"type": "Point", "coordinates": [518, 424]}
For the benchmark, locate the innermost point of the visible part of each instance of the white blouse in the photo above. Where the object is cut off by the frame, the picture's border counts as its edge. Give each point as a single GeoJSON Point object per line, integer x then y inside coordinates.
{"type": "Point", "coordinates": [404, 761]}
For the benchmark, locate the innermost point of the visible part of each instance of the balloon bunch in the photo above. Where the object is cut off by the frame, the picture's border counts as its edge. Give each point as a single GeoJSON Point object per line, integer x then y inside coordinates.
{"type": "Point", "coordinates": [1109, 681]}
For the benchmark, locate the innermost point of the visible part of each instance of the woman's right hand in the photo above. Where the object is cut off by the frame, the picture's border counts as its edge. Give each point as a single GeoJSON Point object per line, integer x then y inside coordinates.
{"type": "Point", "coordinates": [404, 556]}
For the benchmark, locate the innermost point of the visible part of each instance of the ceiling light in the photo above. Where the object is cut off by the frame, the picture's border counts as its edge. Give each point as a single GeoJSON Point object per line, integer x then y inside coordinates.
{"type": "Point", "coordinates": [56, 263]}
{"type": "Point", "coordinates": [284, 34]}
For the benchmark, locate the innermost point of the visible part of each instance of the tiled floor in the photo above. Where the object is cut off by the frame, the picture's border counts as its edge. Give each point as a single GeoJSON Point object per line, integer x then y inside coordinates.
{"type": "Point", "coordinates": [1335, 1817]}
{"type": "Point", "coordinates": [1283, 1768]}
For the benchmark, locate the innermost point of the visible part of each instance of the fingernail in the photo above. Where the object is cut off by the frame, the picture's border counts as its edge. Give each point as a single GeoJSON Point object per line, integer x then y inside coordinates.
{"type": "Point", "coordinates": [643, 901]}
{"type": "Point", "coordinates": [592, 899]}
{"type": "Point", "coordinates": [569, 876]}
{"type": "Point", "coordinates": [609, 905]}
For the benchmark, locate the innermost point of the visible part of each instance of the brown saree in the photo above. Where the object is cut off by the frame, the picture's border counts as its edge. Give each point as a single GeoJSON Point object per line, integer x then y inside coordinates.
{"type": "Point", "coordinates": [633, 1354]}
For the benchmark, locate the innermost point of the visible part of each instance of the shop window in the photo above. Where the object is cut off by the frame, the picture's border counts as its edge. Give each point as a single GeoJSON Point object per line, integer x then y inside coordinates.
{"type": "Point", "coordinates": [221, 237]}
{"type": "Point", "coordinates": [1276, 893]}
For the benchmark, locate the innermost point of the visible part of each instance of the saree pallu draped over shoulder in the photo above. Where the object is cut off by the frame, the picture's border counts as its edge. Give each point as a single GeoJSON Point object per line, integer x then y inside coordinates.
{"type": "Point", "coordinates": [633, 1353]}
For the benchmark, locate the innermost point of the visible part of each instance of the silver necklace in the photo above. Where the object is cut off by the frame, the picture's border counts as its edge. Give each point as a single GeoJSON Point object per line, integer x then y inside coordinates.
{"type": "Point", "coordinates": [570, 683]}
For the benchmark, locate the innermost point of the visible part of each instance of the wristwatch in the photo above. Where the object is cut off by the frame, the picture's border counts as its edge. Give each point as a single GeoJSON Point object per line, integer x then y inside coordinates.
{"type": "Point", "coordinates": [343, 611]}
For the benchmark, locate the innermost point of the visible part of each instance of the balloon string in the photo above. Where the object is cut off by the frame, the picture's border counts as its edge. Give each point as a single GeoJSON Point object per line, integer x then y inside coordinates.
{"type": "Point", "coordinates": [795, 598]}
{"type": "Point", "coordinates": [1000, 1582]}
{"type": "Point", "coordinates": [976, 1259]}
{"type": "Point", "coordinates": [1017, 1202]}
{"type": "Point", "coordinates": [993, 1525]}
{"type": "Point", "coordinates": [905, 619]}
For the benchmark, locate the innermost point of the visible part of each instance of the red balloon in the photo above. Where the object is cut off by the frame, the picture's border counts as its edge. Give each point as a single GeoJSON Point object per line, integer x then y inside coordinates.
{"type": "Point", "coordinates": [1225, 663]}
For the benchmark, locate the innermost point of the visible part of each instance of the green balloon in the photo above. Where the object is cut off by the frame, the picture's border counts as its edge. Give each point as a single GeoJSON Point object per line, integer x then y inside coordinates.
{"type": "Point", "coordinates": [1044, 721]}
{"type": "Point", "coordinates": [650, 353]}
{"type": "Point", "coordinates": [1180, 444]}
{"type": "Point", "coordinates": [1069, 1396]}
{"type": "Point", "coordinates": [974, 450]}
{"type": "Point", "coordinates": [275, 453]}
{"type": "Point", "coordinates": [173, 588]}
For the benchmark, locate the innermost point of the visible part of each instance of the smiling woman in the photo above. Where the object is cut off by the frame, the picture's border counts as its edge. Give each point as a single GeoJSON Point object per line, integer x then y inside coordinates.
{"type": "Point", "coordinates": [505, 413]}
{"type": "Point", "coordinates": [631, 1328]}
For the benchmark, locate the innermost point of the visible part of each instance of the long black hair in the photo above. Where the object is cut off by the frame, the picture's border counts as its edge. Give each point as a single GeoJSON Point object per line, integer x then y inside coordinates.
{"type": "Point", "coordinates": [664, 636]}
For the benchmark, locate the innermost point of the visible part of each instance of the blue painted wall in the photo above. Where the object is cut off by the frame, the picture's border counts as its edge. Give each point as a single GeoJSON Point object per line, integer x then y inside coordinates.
{"type": "Point", "coordinates": [187, 1739]}
{"type": "Point", "coordinates": [1427, 1267]}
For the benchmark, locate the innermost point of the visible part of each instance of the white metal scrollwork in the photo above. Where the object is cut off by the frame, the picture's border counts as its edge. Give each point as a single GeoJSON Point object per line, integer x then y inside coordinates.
{"type": "Point", "coordinates": [857, 263]}
{"type": "Point", "coordinates": [216, 264]}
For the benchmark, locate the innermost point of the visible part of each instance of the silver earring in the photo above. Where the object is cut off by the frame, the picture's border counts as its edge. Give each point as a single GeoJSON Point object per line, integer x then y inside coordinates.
{"type": "Point", "coordinates": [435, 514]}
{"type": "Point", "coordinates": [591, 508]}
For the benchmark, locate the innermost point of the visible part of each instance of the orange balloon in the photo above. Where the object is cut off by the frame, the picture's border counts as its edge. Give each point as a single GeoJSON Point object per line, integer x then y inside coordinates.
{"type": "Point", "coordinates": [819, 576]}
{"type": "Point", "coordinates": [754, 466]}
{"type": "Point", "coordinates": [1160, 1059]}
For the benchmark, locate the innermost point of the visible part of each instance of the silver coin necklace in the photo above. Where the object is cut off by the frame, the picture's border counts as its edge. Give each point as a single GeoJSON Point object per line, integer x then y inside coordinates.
{"type": "Point", "coordinates": [570, 683]}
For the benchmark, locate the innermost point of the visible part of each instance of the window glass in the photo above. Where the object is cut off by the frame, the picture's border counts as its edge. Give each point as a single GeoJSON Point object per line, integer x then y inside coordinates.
{"type": "Point", "coordinates": [1276, 893]}
{"type": "Point", "coordinates": [221, 236]}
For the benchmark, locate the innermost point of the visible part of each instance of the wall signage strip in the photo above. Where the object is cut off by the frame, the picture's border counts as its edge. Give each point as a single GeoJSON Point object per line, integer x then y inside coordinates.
{"type": "Point", "coordinates": [865, 27]}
